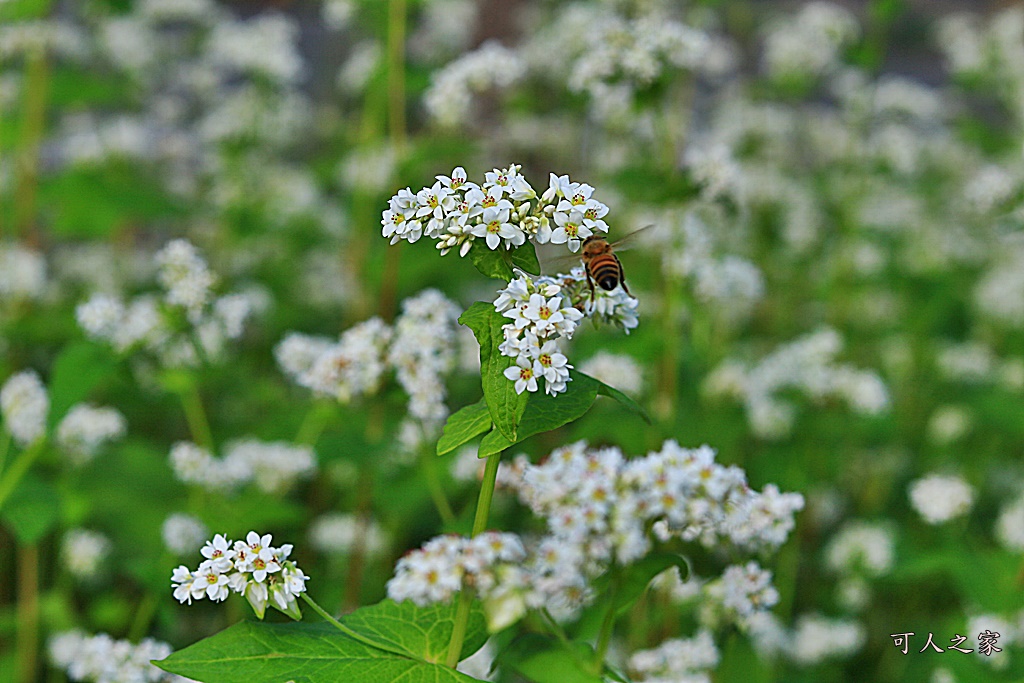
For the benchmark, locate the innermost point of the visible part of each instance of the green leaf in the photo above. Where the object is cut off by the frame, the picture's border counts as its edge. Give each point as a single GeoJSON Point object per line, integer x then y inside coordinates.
{"type": "Point", "coordinates": [463, 426]}
{"type": "Point", "coordinates": [498, 263]}
{"type": "Point", "coordinates": [78, 370]}
{"type": "Point", "coordinates": [624, 400]}
{"type": "Point", "coordinates": [543, 660]}
{"type": "Point", "coordinates": [256, 652]}
{"type": "Point", "coordinates": [32, 509]}
{"type": "Point", "coordinates": [490, 262]}
{"type": "Point", "coordinates": [637, 576]}
{"type": "Point", "coordinates": [544, 413]}
{"type": "Point", "coordinates": [525, 258]}
{"type": "Point", "coordinates": [504, 404]}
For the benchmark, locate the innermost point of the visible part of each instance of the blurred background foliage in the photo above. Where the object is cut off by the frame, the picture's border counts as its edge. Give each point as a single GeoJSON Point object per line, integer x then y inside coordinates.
{"type": "Point", "coordinates": [864, 181]}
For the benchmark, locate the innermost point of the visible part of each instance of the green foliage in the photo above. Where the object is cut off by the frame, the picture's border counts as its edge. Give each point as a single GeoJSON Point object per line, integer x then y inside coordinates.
{"type": "Point", "coordinates": [544, 660]}
{"type": "Point", "coordinates": [545, 412]}
{"type": "Point", "coordinates": [32, 510]}
{"type": "Point", "coordinates": [256, 652]}
{"type": "Point", "coordinates": [498, 263]}
{"type": "Point", "coordinates": [505, 405]}
{"type": "Point", "coordinates": [78, 370]}
{"type": "Point", "coordinates": [463, 426]}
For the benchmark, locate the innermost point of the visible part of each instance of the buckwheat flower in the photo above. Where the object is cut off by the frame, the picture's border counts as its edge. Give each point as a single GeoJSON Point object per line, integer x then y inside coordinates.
{"type": "Point", "coordinates": [183, 533]}
{"type": "Point", "coordinates": [860, 546]}
{"type": "Point", "coordinates": [494, 226]}
{"type": "Point", "coordinates": [83, 552]}
{"type": "Point", "coordinates": [85, 429]}
{"type": "Point", "coordinates": [449, 97]}
{"type": "Point", "coordinates": [745, 590]}
{"type": "Point", "coordinates": [100, 315]}
{"type": "Point", "coordinates": [102, 659]}
{"type": "Point", "coordinates": [571, 230]}
{"type": "Point", "coordinates": [1010, 526]}
{"type": "Point", "coordinates": [523, 374]}
{"type": "Point", "coordinates": [267, 45]}
{"type": "Point", "coordinates": [939, 498]}
{"type": "Point", "coordinates": [339, 534]}
{"type": "Point", "coordinates": [185, 276]}
{"type": "Point", "coordinates": [682, 659]}
{"type": "Point", "coordinates": [817, 638]}
{"type": "Point", "coordinates": [24, 405]}
{"type": "Point", "coordinates": [297, 353]}
{"type": "Point", "coordinates": [948, 424]}
{"type": "Point", "coordinates": [616, 370]}
{"type": "Point", "coordinates": [22, 272]}
{"type": "Point", "coordinates": [272, 466]}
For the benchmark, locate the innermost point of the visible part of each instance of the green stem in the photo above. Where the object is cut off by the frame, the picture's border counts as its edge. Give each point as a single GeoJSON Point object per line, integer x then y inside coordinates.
{"type": "Point", "coordinates": [354, 635]}
{"type": "Point", "coordinates": [27, 633]}
{"type": "Point", "coordinates": [37, 80]}
{"type": "Point", "coordinates": [195, 415]}
{"type": "Point", "coordinates": [5, 447]}
{"type": "Point", "coordinates": [429, 461]}
{"type": "Point", "coordinates": [483, 510]}
{"type": "Point", "coordinates": [604, 637]}
{"type": "Point", "coordinates": [143, 616]}
{"type": "Point", "coordinates": [197, 345]}
{"type": "Point", "coordinates": [396, 72]}
{"type": "Point", "coordinates": [313, 424]}
{"type": "Point", "coordinates": [18, 468]}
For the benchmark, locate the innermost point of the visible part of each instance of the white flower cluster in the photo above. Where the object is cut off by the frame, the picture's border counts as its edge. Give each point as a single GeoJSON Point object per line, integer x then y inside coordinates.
{"type": "Point", "coordinates": [601, 509]}
{"type": "Point", "coordinates": [805, 364]}
{"type": "Point", "coordinates": [741, 592]}
{"type": "Point", "coordinates": [253, 568]}
{"type": "Point", "coordinates": [264, 45]}
{"type": "Point", "coordinates": [677, 659]}
{"type": "Point", "coordinates": [83, 551]}
{"type": "Point", "coordinates": [690, 250]}
{"type": "Point", "coordinates": [420, 355]}
{"type": "Point", "coordinates": [861, 547]}
{"type": "Point", "coordinates": [810, 42]}
{"type": "Point", "coordinates": [24, 405]}
{"type": "Point", "coordinates": [181, 533]}
{"type": "Point", "coordinates": [86, 429]}
{"type": "Point", "coordinates": [272, 466]}
{"type": "Point", "coordinates": [418, 348]}
{"type": "Point", "coordinates": [22, 273]}
{"type": "Point", "coordinates": [544, 310]}
{"type": "Point", "coordinates": [1010, 526]}
{"type": "Point", "coordinates": [616, 370]}
{"type": "Point", "coordinates": [686, 659]}
{"type": "Point", "coordinates": [595, 50]}
{"type": "Point", "coordinates": [438, 570]}
{"type": "Point", "coordinates": [939, 498]}
{"type": "Point", "coordinates": [150, 323]}
{"type": "Point", "coordinates": [817, 638]}
{"type": "Point", "coordinates": [455, 212]}
{"type": "Point", "coordinates": [540, 316]}
{"type": "Point", "coordinates": [101, 659]}
{"type": "Point", "coordinates": [451, 90]}
{"type": "Point", "coordinates": [338, 534]}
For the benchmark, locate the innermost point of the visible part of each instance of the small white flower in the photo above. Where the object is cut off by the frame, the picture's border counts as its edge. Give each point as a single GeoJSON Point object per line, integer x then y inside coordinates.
{"type": "Point", "coordinates": [940, 498]}
{"type": "Point", "coordinates": [24, 405]}
{"type": "Point", "coordinates": [523, 374]}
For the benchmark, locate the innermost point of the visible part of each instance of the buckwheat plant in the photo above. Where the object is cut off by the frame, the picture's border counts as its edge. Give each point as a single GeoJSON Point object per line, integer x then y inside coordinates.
{"type": "Point", "coordinates": [610, 523]}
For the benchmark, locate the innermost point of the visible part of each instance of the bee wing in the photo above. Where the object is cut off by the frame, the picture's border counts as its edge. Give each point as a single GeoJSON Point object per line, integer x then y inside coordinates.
{"type": "Point", "coordinates": [550, 266]}
{"type": "Point", "coordinates": [631, 240]}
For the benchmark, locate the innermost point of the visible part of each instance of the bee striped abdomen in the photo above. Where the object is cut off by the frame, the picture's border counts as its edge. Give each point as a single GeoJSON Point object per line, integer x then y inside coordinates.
{"type": "Point", "coordinates": [606, 271]}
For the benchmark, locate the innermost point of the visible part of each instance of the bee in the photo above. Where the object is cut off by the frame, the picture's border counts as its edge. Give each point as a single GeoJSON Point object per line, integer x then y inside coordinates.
{"type": "Point", "coordinates": [601, 265]}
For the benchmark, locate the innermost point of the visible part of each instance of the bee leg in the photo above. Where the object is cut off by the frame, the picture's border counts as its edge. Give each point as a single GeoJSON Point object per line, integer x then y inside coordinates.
{"type": "Point", "coordinates": [590, 283]}
{"type": "Point", "coordinates": [622, 281]}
